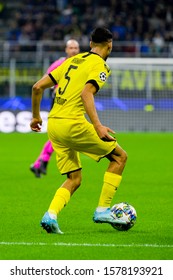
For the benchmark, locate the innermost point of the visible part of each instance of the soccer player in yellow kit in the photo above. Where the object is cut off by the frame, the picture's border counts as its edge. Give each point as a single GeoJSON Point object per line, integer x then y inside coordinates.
{"type": "Point", "coordinates": [79, 78]}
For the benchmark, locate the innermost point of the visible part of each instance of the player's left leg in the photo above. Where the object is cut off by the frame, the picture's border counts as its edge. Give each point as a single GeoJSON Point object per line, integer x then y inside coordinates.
{"type": "Point", "coordinates": [60, 200]}
{"type": "Point", "coordinates": [68, 162]}
{"type": "Point", "coordinates": [63, 194]}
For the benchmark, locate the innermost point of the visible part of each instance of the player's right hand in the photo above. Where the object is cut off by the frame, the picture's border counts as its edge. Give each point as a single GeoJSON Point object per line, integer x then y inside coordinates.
{"type": "Point", "coordinates": [103, 133]}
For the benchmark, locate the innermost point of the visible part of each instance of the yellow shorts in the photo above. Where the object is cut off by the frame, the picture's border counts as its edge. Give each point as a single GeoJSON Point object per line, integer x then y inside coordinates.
{"type": "Point", "coordinates": [70, 137]}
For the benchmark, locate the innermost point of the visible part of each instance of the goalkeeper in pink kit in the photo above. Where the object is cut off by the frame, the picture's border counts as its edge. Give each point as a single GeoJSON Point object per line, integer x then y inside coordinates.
{"type": "Point", "coordinates": [40, 165]}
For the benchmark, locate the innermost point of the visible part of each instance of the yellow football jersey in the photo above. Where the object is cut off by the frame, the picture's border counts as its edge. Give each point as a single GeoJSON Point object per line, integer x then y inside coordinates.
{"type": "Point", "coordinates": [71, 77]}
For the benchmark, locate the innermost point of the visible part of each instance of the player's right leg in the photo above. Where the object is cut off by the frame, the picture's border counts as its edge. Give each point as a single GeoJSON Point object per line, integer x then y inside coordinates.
{"type": "Point", "coordinates": [111, 182]}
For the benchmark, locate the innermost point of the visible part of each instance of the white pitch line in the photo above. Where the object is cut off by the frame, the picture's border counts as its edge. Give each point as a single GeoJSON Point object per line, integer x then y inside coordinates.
{"type": "Point", "coordinates": [85, 244]}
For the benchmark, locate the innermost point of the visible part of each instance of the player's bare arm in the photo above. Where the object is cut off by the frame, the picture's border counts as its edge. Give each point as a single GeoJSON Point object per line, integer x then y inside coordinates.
{"type": "Point", "coordinates": [37, 93]}
{"type": "Point", "coordinates": [87, 96]}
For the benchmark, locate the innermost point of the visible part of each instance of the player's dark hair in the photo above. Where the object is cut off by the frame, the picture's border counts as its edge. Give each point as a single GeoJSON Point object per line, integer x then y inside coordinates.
{"type": "Point", "coordinates": [101, 34]}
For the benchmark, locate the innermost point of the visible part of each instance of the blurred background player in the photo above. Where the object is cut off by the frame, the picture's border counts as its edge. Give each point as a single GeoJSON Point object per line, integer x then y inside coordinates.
{"type": "Point", "coordinates": [40, 165]}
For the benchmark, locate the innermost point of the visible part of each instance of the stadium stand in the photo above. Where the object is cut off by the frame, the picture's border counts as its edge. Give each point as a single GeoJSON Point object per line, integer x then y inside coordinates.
{"type": "Point", "coordinates": [138, 96]}
{"type": "Point", "coordinates": [139, 27]}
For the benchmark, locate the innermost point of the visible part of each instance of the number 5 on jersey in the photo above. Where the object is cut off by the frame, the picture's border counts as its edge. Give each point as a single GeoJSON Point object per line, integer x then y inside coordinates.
{"type": "Point", "coordinates": [60, 90]}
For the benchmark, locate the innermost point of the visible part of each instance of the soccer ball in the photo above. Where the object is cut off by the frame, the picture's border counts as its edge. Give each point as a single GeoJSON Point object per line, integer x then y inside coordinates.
{"type": "Point", "coordinates": [126, 212]}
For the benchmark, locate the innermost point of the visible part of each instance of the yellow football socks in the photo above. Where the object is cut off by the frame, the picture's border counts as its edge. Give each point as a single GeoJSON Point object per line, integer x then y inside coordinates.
{"type": "Point", "coordinates": [110, 185]}
{"type": "Point", "coordinates": [60, 200]}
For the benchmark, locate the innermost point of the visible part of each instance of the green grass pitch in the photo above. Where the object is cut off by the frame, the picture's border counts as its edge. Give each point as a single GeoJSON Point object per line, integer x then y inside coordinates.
{"type": "Point", "coordinates": [146, 184]}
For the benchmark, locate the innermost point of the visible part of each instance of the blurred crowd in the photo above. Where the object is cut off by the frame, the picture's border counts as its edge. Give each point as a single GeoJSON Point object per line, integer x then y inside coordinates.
{"type": "Point", "coordinates": [146, 21]}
